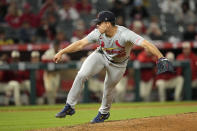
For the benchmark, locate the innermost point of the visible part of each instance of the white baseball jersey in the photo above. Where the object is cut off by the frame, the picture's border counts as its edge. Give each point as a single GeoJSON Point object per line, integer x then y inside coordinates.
{"type": "Point", "coordinates": [117, 48]}
{"type": "Point", "coordinates": [112, 55]}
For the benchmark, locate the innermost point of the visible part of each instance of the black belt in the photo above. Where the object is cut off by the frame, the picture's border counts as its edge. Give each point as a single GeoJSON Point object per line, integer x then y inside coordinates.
{"type": "Point", "coordinates": [101, 51]}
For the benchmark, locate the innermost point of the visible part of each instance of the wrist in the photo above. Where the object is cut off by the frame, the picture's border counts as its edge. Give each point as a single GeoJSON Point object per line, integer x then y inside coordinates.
{"type": "Point", "coordinates": [61, 52]}
{"type": "Point", "coordinates": [160, 57]}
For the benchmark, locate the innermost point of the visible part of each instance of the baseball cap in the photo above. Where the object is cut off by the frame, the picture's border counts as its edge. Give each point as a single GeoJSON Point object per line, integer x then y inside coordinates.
{"type": "Point", "coordinates": [170, 56]}
{"type": "Point", "coordinates": [15, 54]}
{"type": "Point", "coordinates": [35, 54]}
{"type": "Point", "coordinates": [186, 45]}
{"type": "Point", "coordinates": [104, 16]}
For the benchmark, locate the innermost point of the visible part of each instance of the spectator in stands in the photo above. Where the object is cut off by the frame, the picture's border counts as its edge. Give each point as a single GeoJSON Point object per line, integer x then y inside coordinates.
{"type": "Point", "coordinates": [19, 82]}
{"type": "Point", "coordinates": [187, 16]}
{"type": "Point", "coordinates": [13, 16]}
{"type": "Point", "coordinates": [78, 34]}
{"type": "Point", "coordinates": [3, 10]}
{"type": "Point", "coordinates": [147, 74]}
{"type": "Point", "coordinates": [40, 90]}
{"type": "Point", "coordinates": [68, 12]}
{"type": "Point", "coordinates": [73, 3]}
{"type": "Point", "coordinates": [118, 9]}
{"type": "Point", "coordinates": [79, 31]}
{"type": "Point", "coordinates": [28, 16]}
{"type": "Point", "coordinates": [169, 80]}
{"type": "Point", "coordinates": [61, 37]}
{"type": "Point", "coordinates": [91, 27]}
{"type": "Point", "coordinates": [154, 32]}
{"type": "Point", "coordinates": [3, 39]}
{"type": "Point", "coordinates": [171, 6]}
{"type": "Point", "coordinates": [46, 32]}
{"type": "Point", "coordinates": [84, 7]}
{"type": "Point", "coordinates": [139, 11]}
{"type": "Point", "coordinates": [41, 31]}
{"type": "Point", "coordinates": [138, 27]}
{"type": "Point", "coordinates": [190, 33]}
{"type": "Point", "coordinates": [180, 9]}
{"type": "Point", "coordinates": [52, 23]}
{"type": "Point", "coordinates": [120, 20]}
{"type": "Point", "coordinates": [187, 54]}
{"type": "Point", "coordinates": [130, 75]}
{"type": "Point", "coordinates": [26, 33]}
{"type": "Point", "coordinates": [195, 6]}
{"type": "Point", "coordinates": [4, 79]}
{"type": "Point", "coordinates": [4, 59]}
{"type": "Point", "coordinates": [52, 77]}
{"type": "Point", "coordinates": [52, 9]}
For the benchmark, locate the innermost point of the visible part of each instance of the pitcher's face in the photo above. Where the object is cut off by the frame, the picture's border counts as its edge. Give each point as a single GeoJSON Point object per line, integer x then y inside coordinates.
{"type": "Point", "coordinates": [103, 27]}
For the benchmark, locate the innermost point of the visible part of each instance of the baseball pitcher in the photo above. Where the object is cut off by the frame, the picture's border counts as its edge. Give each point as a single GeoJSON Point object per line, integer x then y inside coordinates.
{"type": "Point", "coordinates": [113, 53]}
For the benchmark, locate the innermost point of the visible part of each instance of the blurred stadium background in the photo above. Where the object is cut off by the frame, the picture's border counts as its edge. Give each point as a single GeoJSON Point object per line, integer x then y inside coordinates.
{"type": "Point", "coordinates": [31, 31]}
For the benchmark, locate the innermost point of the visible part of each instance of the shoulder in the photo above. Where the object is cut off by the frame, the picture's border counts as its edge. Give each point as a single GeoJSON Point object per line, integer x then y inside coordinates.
{"type": "Point", "coordinates": [125, 31]}
{"type": "Point", "coordinates": [122, 29]}
{"type": "Point", "coordinates": [95, 31]}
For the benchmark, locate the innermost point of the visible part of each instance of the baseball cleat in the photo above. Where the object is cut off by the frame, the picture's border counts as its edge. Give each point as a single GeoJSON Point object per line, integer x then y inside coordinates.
{"type": "Point", "coordinates": [100, 118]}
{"type": "Point", "coordinates": [68, 110]}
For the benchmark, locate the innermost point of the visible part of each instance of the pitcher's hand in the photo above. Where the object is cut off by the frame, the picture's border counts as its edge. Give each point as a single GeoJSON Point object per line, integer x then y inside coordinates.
{"type": "Point", "coordinates": [57, 57]}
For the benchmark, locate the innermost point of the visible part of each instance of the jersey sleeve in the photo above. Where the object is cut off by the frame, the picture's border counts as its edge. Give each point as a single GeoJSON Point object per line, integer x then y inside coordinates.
{"type": "Point", "coordinates": [130, 36]}
{"type": "Point", "coordinates": [93, 36]}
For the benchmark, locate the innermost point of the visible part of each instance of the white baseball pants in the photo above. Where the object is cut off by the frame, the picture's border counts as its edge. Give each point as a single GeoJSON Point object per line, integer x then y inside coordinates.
{"type": "Point", "coordinates": [91, 66]}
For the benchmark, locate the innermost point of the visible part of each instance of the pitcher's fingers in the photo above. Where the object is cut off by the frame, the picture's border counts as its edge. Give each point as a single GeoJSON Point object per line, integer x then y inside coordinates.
{"type": "Point", "coordinates": [54, 59]}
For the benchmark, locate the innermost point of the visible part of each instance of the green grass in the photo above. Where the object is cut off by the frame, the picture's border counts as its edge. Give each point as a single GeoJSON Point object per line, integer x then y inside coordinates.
{"type": "Point", "coordinates": [30, 117]}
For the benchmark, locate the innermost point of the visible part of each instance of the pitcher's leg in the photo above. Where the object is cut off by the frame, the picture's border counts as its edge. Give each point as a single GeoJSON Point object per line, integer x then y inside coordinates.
{"type": "Point", "coordinates": [91, 66]}
{"type": "Point", "coordinates": [113, 76]}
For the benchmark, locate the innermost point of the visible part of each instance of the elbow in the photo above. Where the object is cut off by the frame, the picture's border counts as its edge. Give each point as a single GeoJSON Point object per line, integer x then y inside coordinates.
{"type": "Point", "coordinates": [145, 44]}
{"type": "Point", "coordinates": [80, 47]}
{"type": "Point", "coordinates": [148, 46]}
{"type": "Point", "coordinates": [81, 44]}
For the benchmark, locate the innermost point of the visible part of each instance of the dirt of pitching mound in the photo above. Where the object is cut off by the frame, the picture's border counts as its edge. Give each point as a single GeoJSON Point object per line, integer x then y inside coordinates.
{"type": "Point", "coordinates": [179, 122]}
